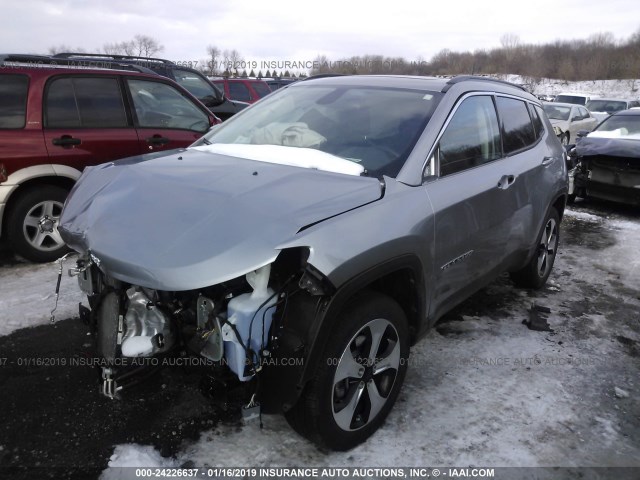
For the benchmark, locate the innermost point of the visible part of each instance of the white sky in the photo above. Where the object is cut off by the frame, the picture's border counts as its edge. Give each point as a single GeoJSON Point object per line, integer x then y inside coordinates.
{"type": "Point", "coordinates": [300, 31]}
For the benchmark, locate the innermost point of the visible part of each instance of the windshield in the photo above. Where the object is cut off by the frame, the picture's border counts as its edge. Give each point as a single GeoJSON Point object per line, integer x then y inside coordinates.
{"type": "Point", "coordinates": [555, 112]}
{"type": "Point", "coordinates": [620, 126]}
{"type": "Point", "coordinates": [609, 106]}
{"type": "Point", "coordinates": [197, 86]}
{"type": "Point", "coordinates": [575, 99]}
{"type": "Point", "coordinates": [375, 127]}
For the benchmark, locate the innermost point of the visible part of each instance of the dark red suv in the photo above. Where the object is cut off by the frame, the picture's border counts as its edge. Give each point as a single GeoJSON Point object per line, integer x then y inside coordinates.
{"type": "Point", "coordinates": [54, 122]}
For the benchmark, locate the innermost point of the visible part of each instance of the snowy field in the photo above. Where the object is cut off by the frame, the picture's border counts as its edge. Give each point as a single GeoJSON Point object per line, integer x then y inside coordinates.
{"type": "Point", "coordinates": [481, 390]}
{"type": "Point", "coordinates": [627, 88]}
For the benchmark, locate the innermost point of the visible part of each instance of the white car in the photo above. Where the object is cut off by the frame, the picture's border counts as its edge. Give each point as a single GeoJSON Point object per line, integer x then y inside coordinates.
{"type": "Point", "coordinates": [568, 119]}
{"type": "Point", "coordinates": [602, 108]}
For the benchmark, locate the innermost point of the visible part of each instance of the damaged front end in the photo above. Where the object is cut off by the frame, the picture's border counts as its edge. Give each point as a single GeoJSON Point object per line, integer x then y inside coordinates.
{"type": "Point", "coordinates": [232, 328]}
{"type": "Point", "coordinates": [608, 169]}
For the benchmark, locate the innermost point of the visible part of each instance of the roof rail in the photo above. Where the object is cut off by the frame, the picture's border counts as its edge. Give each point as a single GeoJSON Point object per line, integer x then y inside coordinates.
{"type": "Point", "coordinates": [72, 62]}
{"type": "Point", "coordinates": [323, 75]}
{"type": "Point", "coordinates": [108, 56]}
{"type": "Point", "coordinates": [464, 78]}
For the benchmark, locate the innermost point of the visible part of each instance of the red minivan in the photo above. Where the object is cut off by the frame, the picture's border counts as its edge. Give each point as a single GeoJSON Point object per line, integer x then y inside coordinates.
{"type": "Point", "coordinates": [54, 122]}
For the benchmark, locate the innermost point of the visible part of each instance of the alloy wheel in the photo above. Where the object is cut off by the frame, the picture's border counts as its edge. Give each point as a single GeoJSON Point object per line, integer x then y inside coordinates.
{"type": "Point", "coordinates": [40, 226]}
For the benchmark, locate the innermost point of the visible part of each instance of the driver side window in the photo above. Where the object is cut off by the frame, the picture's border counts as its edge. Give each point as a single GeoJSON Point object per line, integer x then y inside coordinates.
{"type": "Point", "coordinates": [158, 105]}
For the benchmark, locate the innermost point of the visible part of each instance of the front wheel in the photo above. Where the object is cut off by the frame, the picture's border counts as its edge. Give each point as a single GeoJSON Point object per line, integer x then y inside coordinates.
{"type": "Point", "coordinates": [565, 139]}
{"type": "Point", "coordinates": [537, 271]}
{"type": "Point", "coordinates": [358, 377]}
{"type": "Point", "coordinates": [32, 224]}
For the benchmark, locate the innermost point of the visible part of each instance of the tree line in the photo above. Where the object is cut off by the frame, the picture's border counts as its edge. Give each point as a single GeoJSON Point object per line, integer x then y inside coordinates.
{"type": "Point", "coordinates": [598, 57]}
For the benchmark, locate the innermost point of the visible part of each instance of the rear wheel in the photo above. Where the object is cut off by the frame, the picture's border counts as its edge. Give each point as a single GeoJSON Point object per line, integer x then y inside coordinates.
{"type": "Point", "coordinates": [358, 377]}
{"type": "Point", "coordinates": [32, 224]}
{"type": "Point", "coordinates": [537, 271]}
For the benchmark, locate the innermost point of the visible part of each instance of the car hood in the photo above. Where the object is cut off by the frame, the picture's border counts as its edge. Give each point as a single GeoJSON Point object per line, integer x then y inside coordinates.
{"type": "Point", "coordinates": [193, 218]}
{"type": "Point", "coordinates": [607, 143]}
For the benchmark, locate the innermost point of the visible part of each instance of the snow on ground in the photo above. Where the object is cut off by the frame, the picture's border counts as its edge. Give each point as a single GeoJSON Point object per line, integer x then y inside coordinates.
{"type": "Point", "coordinates": [485, 390]}
{"type": "Point", "coordinates": [625, 88]}
{"type": "Point", "coordinates": [481, 389]}
{"type": "Point", "coordinates": [27, 295]}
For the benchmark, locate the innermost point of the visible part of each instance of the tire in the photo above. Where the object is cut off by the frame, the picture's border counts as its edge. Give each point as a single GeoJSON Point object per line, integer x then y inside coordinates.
{"type": "Point", "coordinates": [537, 271]}
{"type": "Point", "coordinates": [571, 198]}
{"type": "Point", "coordinates": [349, 397]}
{"type": "Point", "coordinates": [32, 224]}
{"type": "Point", "coordinates": [565, 139]}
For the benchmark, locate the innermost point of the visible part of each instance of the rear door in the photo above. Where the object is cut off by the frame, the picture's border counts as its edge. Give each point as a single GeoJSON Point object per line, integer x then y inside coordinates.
{"type": "Point", "coordinates": [165, 118]}
{"type": "Point", "coordinates": [86, 121]}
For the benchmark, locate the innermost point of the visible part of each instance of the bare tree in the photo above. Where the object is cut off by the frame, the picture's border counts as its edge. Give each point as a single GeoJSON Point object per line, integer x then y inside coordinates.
{"type": "Point", "coordinates": [64, 48]}
{"type": "Point", "coordinates": [214, 59]}
{"type": "Point", "coordinates": [140, 46]}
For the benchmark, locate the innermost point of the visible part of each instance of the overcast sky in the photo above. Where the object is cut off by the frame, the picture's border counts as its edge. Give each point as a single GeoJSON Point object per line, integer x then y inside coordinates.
{"type": "Point", "coordinates": [301, 30]}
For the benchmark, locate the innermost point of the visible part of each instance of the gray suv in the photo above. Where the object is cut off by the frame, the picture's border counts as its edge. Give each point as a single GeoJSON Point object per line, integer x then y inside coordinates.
{"type": "Point", "coordinates": [302, 247]}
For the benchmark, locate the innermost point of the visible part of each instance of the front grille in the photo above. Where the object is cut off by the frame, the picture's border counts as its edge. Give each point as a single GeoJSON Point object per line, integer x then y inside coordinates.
{"type": "Point", "coordinates": [631, 165]}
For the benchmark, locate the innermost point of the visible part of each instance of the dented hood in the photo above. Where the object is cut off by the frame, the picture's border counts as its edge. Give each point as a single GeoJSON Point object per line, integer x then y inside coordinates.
{"type": "Point", "coordinates": [190, 219]}
{"type": "Point", "coordinates": [608, 143]}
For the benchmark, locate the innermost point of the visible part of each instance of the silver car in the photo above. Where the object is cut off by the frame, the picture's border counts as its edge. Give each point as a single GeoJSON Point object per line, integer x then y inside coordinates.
{"type": "Point", "coordinates": [304, 245]}
{"type": "Point", "coordinates": [569, 119]}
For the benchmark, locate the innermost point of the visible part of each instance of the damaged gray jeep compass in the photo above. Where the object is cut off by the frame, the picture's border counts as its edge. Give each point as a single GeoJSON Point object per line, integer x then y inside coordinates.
{"type": "Point", "coordinates": [301, 247]}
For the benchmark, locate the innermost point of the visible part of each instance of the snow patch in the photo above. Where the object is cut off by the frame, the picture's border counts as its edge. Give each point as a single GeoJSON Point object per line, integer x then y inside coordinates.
{"type": "Point", "coordinates": [582, 215]}
{"type": "Point", "coordinates": [133, 455]}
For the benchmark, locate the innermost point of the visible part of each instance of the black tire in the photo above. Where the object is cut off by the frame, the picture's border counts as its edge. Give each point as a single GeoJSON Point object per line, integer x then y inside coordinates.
{"type": "Point", "coordinates": [319, 413]}
{"type": "Point", "coordinates": [571, 198]}
{"type": "Point", "coordinates": [37, 243]}
{"type": "Point", "coordinates": [537, 271]}
{"type": "Point", "coordinates": [565, 139]}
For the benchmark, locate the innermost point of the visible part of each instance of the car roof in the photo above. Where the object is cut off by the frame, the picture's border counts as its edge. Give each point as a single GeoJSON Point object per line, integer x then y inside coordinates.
{"type": "Point", "coordinates": [578, 94]}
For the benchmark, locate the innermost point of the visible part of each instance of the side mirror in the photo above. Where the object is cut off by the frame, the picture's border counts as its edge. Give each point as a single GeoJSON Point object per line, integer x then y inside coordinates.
{"type": "Point", "coordinates": [582, 133]}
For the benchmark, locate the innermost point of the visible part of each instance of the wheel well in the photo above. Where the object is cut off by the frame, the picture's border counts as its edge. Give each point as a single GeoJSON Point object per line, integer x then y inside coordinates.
{"type": "Point", "coordinates": [401, 285]}
{"type": "Point", "coordinates": [560, 204]}
{"type": "Point", "coordinates": [63, 182]}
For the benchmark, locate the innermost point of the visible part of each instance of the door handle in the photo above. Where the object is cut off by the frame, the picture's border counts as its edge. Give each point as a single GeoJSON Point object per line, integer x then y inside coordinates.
{"type": "Point", "coordinates": [546, 161]}
{"type": "Point", "coordinates": [506, 181]}
{"type": "Point", "coordinates": [158, 140]}
{"type": "Point", "coordinates": [66, 141]}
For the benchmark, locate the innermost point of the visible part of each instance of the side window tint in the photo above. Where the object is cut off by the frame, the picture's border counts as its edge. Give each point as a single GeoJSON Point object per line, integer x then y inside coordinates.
{"type": "Point", "coordinates": [159, 105]}
{"type": "Point", "coordinates": [100, 102]}
{"type": "Point", "coordinates": [537, 120]}
{"type": "Point", "coordinates": [85, 103]}
{"type": "Point", "coordinates": [60, 105]}
{"type": "Point", "coordinates": [239, 91]}
{"type": "Point", "coordinates": [13, 100]}
{"type": "Point", "coordinates": [471, 138]}
{"type": "Point", "coordinates": [517, 129]}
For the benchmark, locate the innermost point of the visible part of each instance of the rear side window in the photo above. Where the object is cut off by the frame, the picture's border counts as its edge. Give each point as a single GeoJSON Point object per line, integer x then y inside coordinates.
{"type": "Point", "coordinates": [471, 138]}
{"type": "Point", "coordinates": [84, 103]}
{"type": "Point", "coordinates": [239, 91]}
{"type": "Point", "coordinates": [537, 121]}
{"type": "Point", "coordinates": [517, 129]}
{"type": "Point", "coordinates": [13, 100]}
{"type": "Point", "coordinates": [261, 89]}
